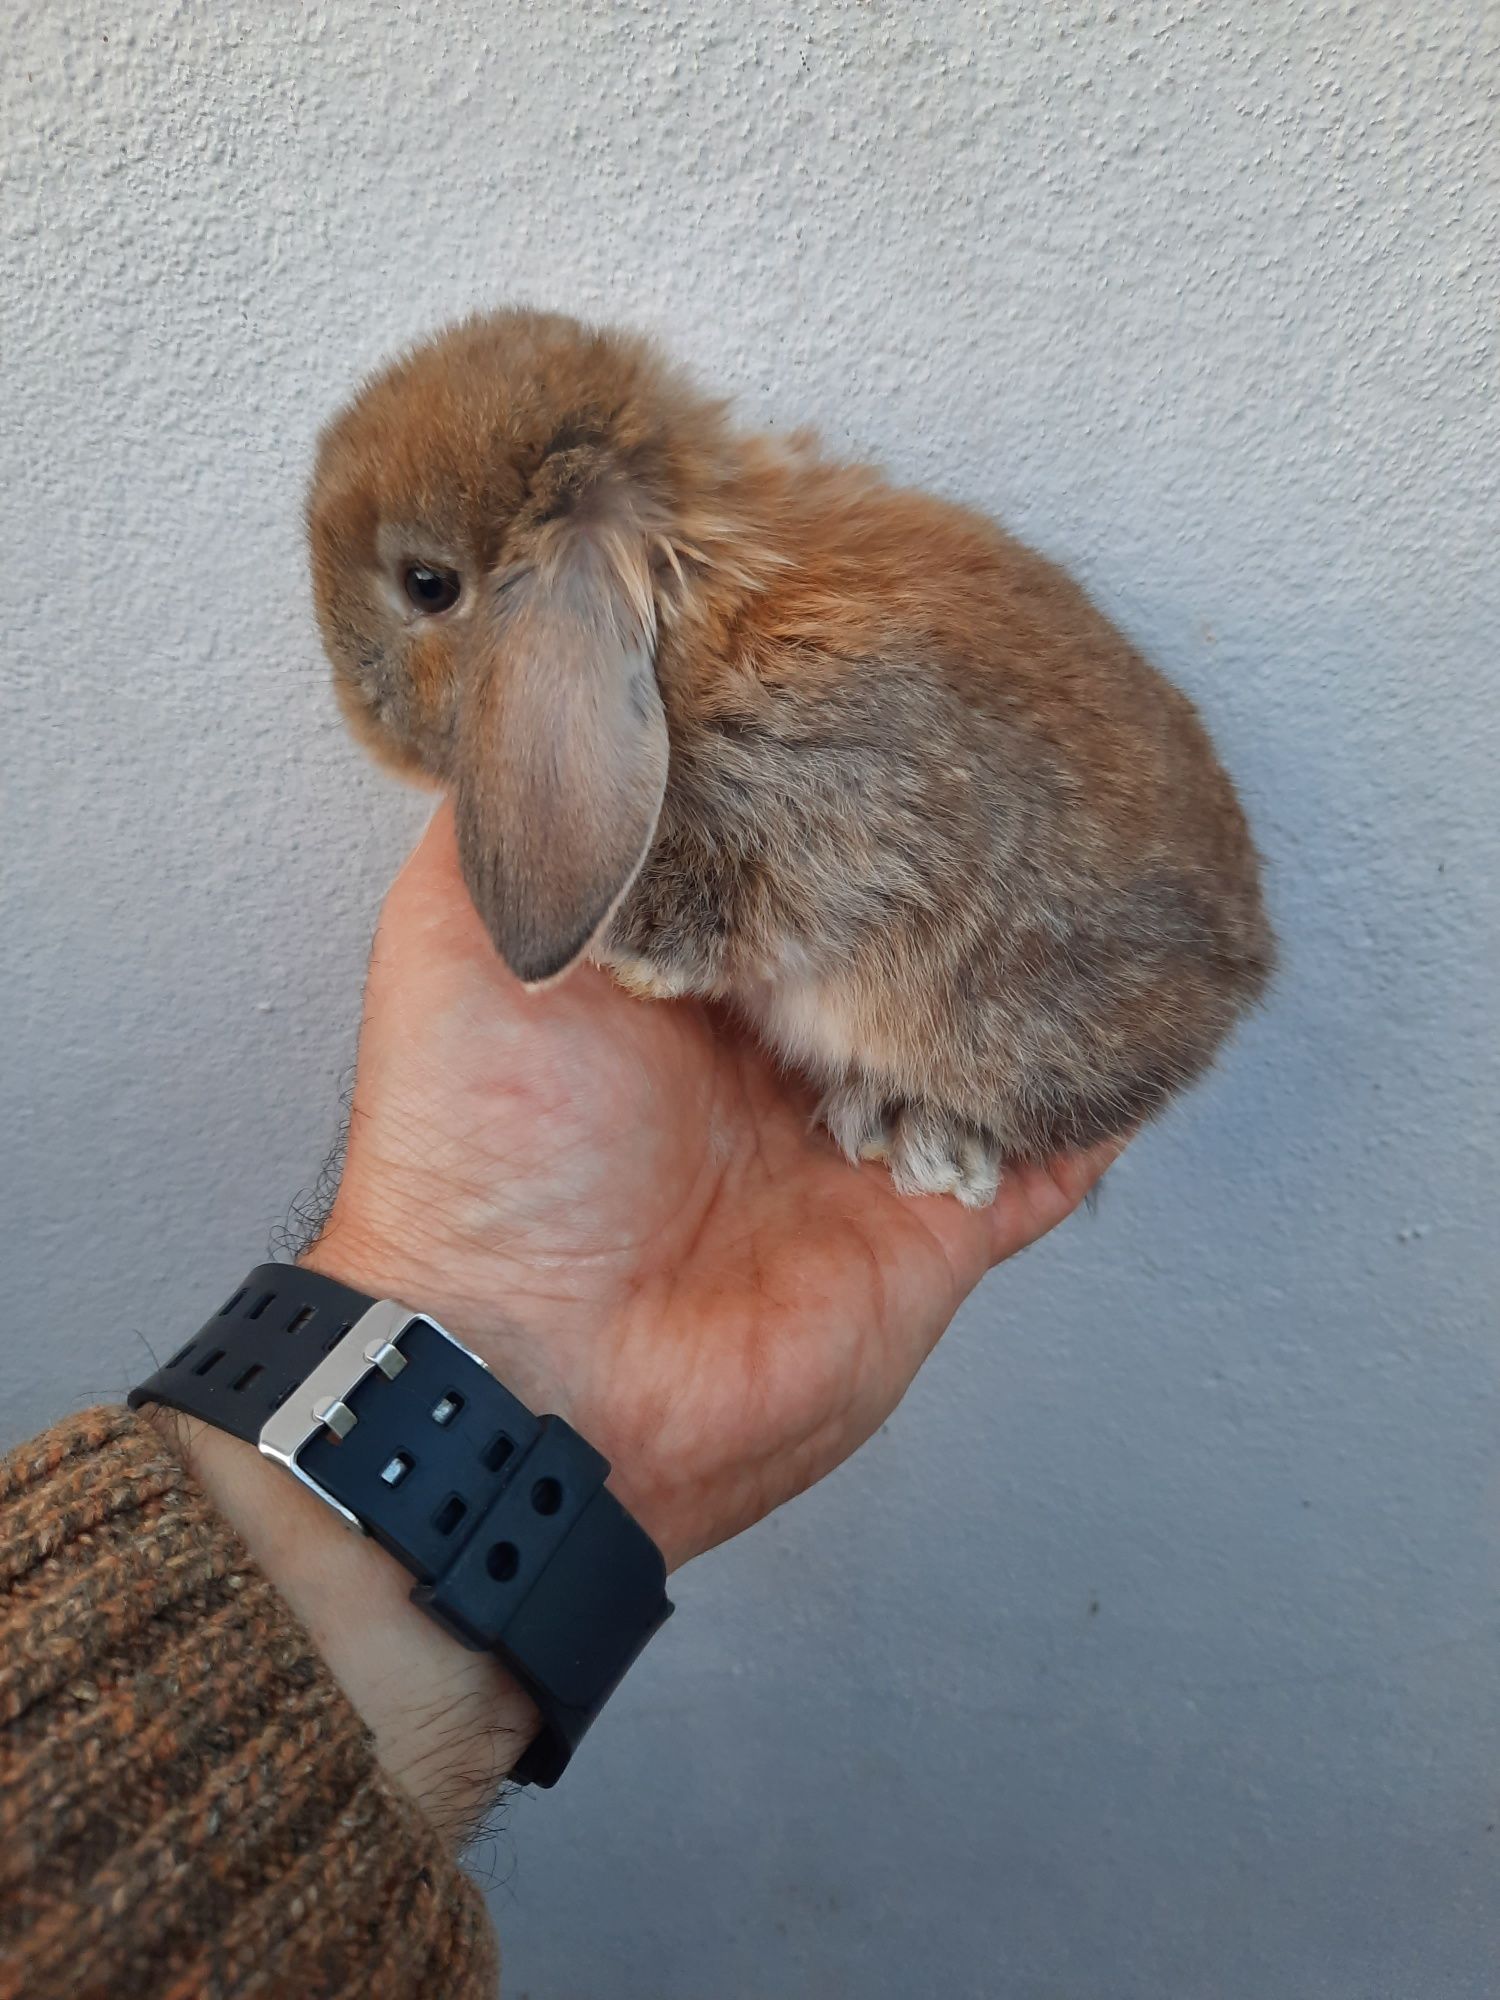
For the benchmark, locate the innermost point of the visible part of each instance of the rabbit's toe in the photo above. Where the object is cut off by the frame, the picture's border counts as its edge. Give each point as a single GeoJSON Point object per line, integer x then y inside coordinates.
{"type": "Point", "coordinates": [859, 1121]}
{"type": "Point", "coordinates": [644, 981]}
{"type": "Point", "coordinates": [933, 1153]}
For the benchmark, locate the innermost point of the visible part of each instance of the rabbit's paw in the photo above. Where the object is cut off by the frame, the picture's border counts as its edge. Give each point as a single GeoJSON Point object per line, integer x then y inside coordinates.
{"type": "Point", "coordinates": [646, 981]}
{"type": "Point", "coordinates": [860, 1120]}
{"type": "Point", "coordinates": [933, 1152]}
{"type": "Point", "coordinates": [928, 1151]}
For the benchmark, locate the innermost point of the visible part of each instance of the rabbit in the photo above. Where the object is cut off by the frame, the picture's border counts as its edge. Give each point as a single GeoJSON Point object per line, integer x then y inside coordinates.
{"type": "Point", "coordinates": [741, 723]}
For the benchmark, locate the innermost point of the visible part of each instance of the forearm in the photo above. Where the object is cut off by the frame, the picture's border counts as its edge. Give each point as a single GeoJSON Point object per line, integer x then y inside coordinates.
{"type": "Point", "coordinates": [189, 1800]}
{"type": "Point", "coordinates": [448, 1723]}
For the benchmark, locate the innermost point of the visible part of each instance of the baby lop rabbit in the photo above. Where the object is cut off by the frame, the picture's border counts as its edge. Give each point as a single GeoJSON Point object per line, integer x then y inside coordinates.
{"type": "Point", "coordinates": [739, 722]}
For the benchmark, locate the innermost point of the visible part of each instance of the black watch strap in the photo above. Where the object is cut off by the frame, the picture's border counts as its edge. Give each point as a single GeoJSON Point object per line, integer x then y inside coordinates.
{"type": "Point", "coordinates": [503, 1517]}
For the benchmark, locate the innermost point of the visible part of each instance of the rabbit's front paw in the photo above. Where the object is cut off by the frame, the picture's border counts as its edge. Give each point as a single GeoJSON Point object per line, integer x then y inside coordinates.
{"type": "Point", "coordinates": [860, 1120]}
{"type": "Point", "coordinates": [646, 981]}
{"type": "Point", "coordinates": [933, 1152]}
{"type": "Point", "coordinates": [928, 1151]}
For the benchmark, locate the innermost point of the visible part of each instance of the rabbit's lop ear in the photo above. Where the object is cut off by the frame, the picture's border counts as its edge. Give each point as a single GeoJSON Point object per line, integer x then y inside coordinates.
{"type": "Point", "coordinates": [561, 748]}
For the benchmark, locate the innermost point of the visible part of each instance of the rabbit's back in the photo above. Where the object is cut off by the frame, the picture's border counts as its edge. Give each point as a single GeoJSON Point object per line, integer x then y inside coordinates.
{"type": "Point", "coordinates": [930, 815]}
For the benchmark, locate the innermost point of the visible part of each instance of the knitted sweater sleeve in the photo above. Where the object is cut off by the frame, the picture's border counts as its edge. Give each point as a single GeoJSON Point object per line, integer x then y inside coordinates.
{"type": "Point", "coordinates": [190, 1809]}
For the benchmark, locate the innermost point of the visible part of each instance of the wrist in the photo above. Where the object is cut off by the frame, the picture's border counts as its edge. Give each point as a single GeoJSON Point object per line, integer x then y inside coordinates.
{"type": "Point", "coordinates": [448, 1723]}
{"type": "Point", "coordinates": [397, 1257]}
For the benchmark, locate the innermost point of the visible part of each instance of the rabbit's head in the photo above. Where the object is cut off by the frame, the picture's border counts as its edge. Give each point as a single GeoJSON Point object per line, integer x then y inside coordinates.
{"type": "Point", "coordinates": [491, 521]}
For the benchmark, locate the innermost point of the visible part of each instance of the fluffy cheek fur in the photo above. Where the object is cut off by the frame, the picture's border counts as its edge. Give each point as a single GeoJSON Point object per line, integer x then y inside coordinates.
{"type": "Point", "coordinates": [397, 694]}
{"type": "Point", "coordinates": [375, 735]}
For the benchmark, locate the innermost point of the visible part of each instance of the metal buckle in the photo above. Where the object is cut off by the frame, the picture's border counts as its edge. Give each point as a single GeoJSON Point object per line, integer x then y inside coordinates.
{"type": "Point", "coordinates": [320, 1402]}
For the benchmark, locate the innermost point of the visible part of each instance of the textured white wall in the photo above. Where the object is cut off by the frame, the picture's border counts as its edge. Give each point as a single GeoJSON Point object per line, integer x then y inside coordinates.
{"type": "Point", "coordinates": [1152, 1650]}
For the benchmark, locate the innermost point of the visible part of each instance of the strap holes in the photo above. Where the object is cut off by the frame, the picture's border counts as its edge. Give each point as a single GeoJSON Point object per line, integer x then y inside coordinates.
{"type": "Point", "coordinates": [496, 1452]}
{"type": "Point", "coordinates": [260, 1305]}
{"type": "Point", "coordinates": [336, 1336]}
{"type": "Point", "coordinates": [447, 1407]}
{"type": "Point", "coordinates": [502, 1561]}
{"type": "Point", "coordinates": [182, 1354]}
{"type": "Point", "coordinates": [226, 1310]}
{"type": "Point", "coordinates": [546, 1496]}
{"type": "Point", "coordinates": [243, 1381]}
{"type": "Point", "coordinates": [396, 1469]}
{"type": "Point", "coordinates": [448, 1516]}
{"type": "Point", "coordinates": [299, 1319]}
{"type": "Point", "coordinates": [210, 1360]}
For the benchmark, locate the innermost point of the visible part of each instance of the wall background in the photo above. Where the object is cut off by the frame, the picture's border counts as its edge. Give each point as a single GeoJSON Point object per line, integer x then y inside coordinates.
{"type": "Point", "coordinates": [1152, 1650]}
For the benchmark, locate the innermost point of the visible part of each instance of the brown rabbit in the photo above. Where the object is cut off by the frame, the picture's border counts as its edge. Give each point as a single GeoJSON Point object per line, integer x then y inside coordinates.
{"type": "Point", "coordinates": [741, 723]}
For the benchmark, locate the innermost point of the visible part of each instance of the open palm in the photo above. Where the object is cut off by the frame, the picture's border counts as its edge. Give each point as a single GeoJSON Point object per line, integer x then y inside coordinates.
{"type": "Point", "coordinates": [626, 1209]}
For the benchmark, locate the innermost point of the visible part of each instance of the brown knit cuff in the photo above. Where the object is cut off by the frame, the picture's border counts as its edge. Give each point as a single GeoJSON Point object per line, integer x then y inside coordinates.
{"type": "Point", "coordinates": [189, 1806]}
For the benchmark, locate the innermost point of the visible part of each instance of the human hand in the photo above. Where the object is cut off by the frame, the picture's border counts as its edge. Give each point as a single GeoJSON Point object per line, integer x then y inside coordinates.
{"type": "Point", "coordinates": [626, 1210]}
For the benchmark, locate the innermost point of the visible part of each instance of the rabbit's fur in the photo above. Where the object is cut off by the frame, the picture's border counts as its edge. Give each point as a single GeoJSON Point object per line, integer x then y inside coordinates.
{"type": "Point", "coordinates": [742, 723]}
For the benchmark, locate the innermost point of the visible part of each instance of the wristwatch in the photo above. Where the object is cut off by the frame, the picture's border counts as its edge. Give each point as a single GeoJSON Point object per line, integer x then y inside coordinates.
{"type": "Point", "coordinates": [503, 1517]}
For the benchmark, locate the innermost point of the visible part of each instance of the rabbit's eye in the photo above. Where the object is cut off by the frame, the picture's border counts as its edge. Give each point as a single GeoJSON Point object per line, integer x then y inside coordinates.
{"type": "Point", "coordinates": [430, 589]}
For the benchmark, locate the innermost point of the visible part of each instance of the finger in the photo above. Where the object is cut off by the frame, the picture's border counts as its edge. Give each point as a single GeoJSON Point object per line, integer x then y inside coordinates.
{"type": "Point", "coordinates": [429, 917]}
{"type": "Point", "coordinates": [428, 913]}
{"type": "Point", "coordinates": [429, 877]}
{"type": "Point", "coordinates": [1076, 1174]}
{"type": "Point", "coordinates": [1036, 1197]}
